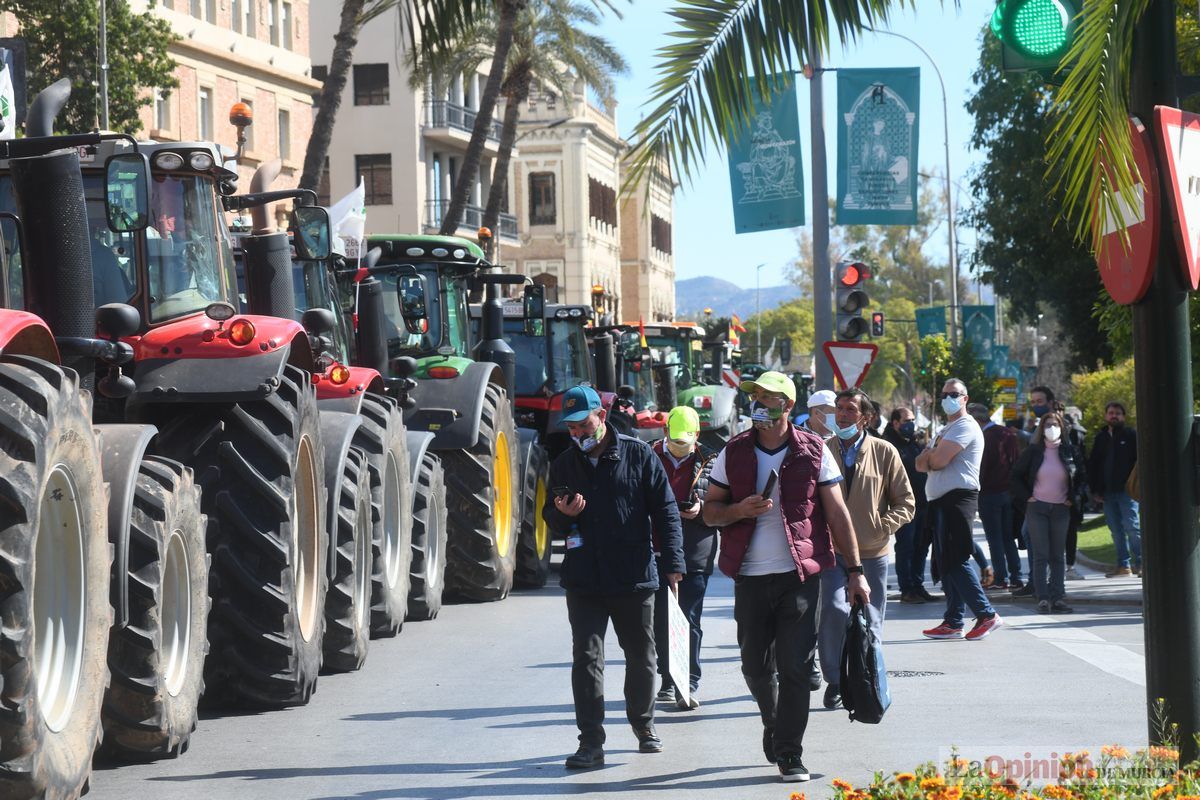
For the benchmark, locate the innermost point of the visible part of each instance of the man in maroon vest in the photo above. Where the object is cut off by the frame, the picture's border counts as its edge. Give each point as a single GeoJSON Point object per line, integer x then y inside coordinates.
{"type": "Point", "coordinates": [774, 547]}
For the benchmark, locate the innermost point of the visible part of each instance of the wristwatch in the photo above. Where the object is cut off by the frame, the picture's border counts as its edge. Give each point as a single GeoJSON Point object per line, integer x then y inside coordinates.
{"type": "Point", "coordinates": [855, 570]}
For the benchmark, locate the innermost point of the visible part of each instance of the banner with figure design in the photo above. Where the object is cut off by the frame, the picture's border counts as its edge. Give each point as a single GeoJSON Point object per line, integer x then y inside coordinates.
{"type": "Point", "coordinates": [878, 116]}
{"type": "Point", "coordinates": [766, 171]}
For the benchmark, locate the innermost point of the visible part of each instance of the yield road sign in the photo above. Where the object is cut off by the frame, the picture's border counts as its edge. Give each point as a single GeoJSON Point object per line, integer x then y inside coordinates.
{"type": "Point", "coordinates": [1178, 137]}
{"type": "Point", "coordinates": [1129, 243]}
{"type": "Point", "coordinates": [850, 361]}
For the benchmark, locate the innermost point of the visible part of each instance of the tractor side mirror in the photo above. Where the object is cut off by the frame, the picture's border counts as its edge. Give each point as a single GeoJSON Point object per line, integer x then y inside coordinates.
{"type": "Point", "coordinates": [117, 320]}
{"type": "Point", "coordinates": [534, 309]}
{"type": "Point", "coordinates": [631, 346]}
{"type": "Point", "coordinates": [310, 224]}
{"type": "Point", "coordinates": [127, 192]}
{"type": "Point", "coordinates": [318, 321]}
{"type": "Point", "coordinates": [410, 291]}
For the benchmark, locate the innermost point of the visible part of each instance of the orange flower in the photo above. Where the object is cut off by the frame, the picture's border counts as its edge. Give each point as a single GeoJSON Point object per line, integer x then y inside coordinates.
{"type": "Point", "coordinates": [1092, 774]}
{"type": "Point", "coordinates": [954, 792]}
{"type": "Point", "coordinates": [1114, 751]}
{"type": "Point", "coordinates": [1162, 790]}
{"type": "Point", "coordinates": [838, 783]}
{"type": "Point", "coordinates": [1186, 797]}
{"type": "Point", "coordinates": [797, 796]}
{"type": "Point", "coordinates": [905, 777]}
{"type": "Point", "coordinates": [932, 782]}
{"type": "Point", "coordinates": [1164, 753]}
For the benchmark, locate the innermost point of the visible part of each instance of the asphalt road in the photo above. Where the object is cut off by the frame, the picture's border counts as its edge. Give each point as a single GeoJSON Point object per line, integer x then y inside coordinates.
{"type": "Point", "coordinates": [477, 704]}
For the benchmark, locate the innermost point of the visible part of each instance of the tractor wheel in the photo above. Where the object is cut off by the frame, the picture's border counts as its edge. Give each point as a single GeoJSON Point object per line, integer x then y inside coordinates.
{"type": "Point", "coordinates": [348, 604]}
{"type": "Point", "coordinates": [54, 582]}
{"type": "Point", "coordinates": [428, 540]}
{"type": "Point", "coordinates": [484, 509]}
{"type": "Point", "coordinates": [157, 660]}
{"type": "Point", "coordinates": [259, 465]}
{"type": "Point", "coordinates": [533, 545]}
{"type": "Point", "coordinates": [383, 440]}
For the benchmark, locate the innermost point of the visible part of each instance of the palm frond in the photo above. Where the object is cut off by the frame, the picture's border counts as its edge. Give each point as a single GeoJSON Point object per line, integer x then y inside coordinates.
{"type": "Point", "coordinates": [718, 50]}
{"type": "Point", "coordinates": [1089, 150]}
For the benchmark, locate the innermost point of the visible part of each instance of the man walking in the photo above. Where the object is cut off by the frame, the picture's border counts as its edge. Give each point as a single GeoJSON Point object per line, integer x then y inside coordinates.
{"type": "Point", "coordinates": [911, 544]}
{"type": "Point", "coordinates": [609, 490]}
{"type": "Point", "coordinates": [953, 490]}
{"type": "Point", "coordinates": [880, 501]}
{"type": "Point", "coordinates": [1114, 455]}
{"type": "Point", "coordinates": [687, 464]}
{"type": "Point", "coordinates": [1000, 451]}
{"type": "Point", "coordinates": [774, 496]}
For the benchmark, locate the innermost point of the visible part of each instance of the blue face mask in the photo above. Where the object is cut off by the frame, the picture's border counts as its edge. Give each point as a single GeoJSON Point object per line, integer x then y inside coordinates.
{"type": "Point", "coordinates": [908, 429]}
{"type": "Point", "coordinates": [845, 434]}
{"type": "Point", "coordinates": [1041, 411]}
{"type": "Point", "coordinates": [951, 405]}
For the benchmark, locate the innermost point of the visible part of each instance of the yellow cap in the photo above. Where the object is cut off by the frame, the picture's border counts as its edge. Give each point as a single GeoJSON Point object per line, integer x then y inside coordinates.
{"type": "Point", "coordinates": [683, 423]}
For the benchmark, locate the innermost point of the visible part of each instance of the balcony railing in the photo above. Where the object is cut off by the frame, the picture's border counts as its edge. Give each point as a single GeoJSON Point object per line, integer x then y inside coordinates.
{"type": "Point", "coordinates": [472, 218]}
{"type": "Point", "coordinates": [443, 114]}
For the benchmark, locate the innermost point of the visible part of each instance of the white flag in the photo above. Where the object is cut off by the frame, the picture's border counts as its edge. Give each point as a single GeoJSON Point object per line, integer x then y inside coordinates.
{"type": "Point", "coordinates": [348, 222]}
{"type": "Point", "coordinates": [8, 102]}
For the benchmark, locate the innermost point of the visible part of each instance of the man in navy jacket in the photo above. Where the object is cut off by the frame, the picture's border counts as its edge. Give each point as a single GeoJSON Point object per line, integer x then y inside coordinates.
{"type": "Point", "coordinates": [613, 503]}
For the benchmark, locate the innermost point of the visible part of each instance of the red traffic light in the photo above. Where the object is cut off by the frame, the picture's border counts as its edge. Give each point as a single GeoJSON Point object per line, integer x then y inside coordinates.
{"type": "Point", "coordinates": [854, 273]}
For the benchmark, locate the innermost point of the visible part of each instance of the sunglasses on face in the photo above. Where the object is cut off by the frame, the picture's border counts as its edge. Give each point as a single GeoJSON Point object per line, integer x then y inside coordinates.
{"type": "Point", "coordinates": [955, 395]}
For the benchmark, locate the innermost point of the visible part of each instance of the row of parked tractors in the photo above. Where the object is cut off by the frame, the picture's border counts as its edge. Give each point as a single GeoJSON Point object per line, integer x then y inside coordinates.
{"type": "Point", "coordinates": [229, 457]}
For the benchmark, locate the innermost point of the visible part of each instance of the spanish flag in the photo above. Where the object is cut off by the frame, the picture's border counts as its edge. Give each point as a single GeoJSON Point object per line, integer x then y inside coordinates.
{"type": "Point", "coordinates": [642, 331]}
{"type": "Point", "coordinates": [735, 328]}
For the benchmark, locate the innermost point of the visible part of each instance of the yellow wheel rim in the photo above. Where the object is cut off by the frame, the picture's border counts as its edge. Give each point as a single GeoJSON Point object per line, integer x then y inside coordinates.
{"type": "Point", "coordinates": [541, 531]}
{"type": "Point", "coordinates": [502, 500]}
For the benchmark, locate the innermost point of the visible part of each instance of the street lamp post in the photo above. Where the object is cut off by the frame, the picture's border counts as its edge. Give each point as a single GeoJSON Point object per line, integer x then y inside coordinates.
{"type": "Point", "coordinates": [951, 235]}
{"type": "Point", "coordinates": [758, 312]}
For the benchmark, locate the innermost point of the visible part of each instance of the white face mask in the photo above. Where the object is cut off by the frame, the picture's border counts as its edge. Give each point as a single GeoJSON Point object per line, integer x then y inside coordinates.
{"type": "Point", "coordinates": [1053, 433]}
{"type": "Point", "coordinates": [951, 405]}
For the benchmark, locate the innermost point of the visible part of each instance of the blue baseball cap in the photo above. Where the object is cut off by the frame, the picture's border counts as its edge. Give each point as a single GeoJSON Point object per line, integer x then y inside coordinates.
{"type": "Point", "coordinates": [578, 402]}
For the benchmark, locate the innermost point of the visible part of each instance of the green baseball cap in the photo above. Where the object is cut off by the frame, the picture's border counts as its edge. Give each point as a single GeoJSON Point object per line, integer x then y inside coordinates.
{"type": "Point", "coordinates": [683, 423]}
{"type": "Point", "coordinates": [772, 381]}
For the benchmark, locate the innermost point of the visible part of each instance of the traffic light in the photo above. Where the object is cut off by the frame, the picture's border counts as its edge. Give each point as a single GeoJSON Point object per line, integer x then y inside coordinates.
{"type": "Point", "coordinates": [851, 298]}
{"type": "Point", "coordinates": [1035, 34]}
{"type": "Point", "coordinates": [876, 324]}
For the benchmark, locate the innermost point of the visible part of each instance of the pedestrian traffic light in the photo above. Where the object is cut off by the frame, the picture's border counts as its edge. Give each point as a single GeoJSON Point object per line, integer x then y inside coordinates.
{"type": "Point", "coordinates": [1035, 34]}
{"type": "Point", "coordinates": [851, 297]}
{"type": "Point", "coordinates": [876, 323]}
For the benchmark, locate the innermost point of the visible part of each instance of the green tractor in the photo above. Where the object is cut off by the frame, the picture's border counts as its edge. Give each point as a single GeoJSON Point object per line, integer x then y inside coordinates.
{"type": "Point", "coordinates": [460, 392]}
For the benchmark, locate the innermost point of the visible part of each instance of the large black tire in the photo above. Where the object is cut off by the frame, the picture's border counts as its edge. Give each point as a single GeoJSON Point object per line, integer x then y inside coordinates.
{"type": "Point", "coordinates": [533, 544]}
{"type": "Point", "coordinates": [53, 547]}
{"type": "Point", "coordinates": [384, 440]}
{"type": "Point", "coordinates": [429, 533]}
{"type": "Point", "coordinates": [157, 660]}
{"type": "Point", "coordinates": [348, 603]}
{"type": "Point", "coordinates": [484, 509]}
{"type": "Point", "coordinates": [260, 468]}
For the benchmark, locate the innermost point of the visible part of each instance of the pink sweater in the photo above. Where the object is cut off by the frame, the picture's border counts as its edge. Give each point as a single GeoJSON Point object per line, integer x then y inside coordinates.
{"type": "Point", "coordinates": [1052, 483]}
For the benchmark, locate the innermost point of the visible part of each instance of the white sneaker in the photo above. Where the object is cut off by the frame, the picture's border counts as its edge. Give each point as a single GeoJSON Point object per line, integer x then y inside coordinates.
{"type": "Point", "coordinates": [1072, 575]}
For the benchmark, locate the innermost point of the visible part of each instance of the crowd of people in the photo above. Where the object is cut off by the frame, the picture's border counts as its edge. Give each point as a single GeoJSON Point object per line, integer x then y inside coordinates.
{"type": "Point", "coordinates": [805, 512]}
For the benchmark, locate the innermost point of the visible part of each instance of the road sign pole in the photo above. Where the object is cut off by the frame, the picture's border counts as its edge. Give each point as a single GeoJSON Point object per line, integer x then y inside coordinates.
{"type": "Point", "coordinates": [1163, 379]}
{"type": "Point", "coordinates": [822, 273]}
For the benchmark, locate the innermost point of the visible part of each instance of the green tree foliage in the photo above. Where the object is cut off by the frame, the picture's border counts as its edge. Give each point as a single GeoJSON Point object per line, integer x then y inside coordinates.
{"type": "Point", "coordinates": [1024, 248]}
{"type": "Point", "coordinates": [792, 320]}
{"type": "Point", "coordinates": [939, 363]}
{"type": "Point", "coordinates": [1092, 391]}
{"type": "Point", "coordinates": [63, 42]}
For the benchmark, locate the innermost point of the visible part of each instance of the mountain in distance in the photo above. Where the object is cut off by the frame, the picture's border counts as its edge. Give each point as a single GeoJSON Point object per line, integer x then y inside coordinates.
{"type": "Point", "coordinates": [693, 295]}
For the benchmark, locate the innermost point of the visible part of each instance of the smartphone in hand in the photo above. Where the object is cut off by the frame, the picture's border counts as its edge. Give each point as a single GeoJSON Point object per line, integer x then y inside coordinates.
{"type": "Point", "coordinates": [565, 492]}
{"type": "Point", "coordinates": [769, 487]}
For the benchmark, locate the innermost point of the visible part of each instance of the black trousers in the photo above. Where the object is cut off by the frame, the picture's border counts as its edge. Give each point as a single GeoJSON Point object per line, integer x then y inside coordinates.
{"type": "Point", "coordinates": [777, 633]}
{"type": "Point", "coordinates": [632, 616]}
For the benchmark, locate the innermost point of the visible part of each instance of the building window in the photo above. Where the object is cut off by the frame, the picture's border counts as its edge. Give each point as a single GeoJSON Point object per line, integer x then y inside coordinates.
{"type": "Point", "coordinates": [370, 84]}
{"type": "Point", "coordinates": [551, 99]}
{"type": "Point", "coordinates": [205, 112]}
{"type": "Point", "coordinates": [194, 8]}
{"type": "Point", "coordinates": [169, 4]}
{"type": "Point", "coordinates": [235, 15]}
{"type": "Point", "coordinates": [376, 172]}
{"type": "Point", "coordinates": [162, 109]}
{"type": "Point", "coordinates": [602, 203]}
{"type": "Point", "coordinates": [272, 20]}
{"type": "Point", "coordinates": [251, 18]}
{"type": "Point", "coordinates": [285, 25]}
{"type": "Point", "coordinates": [249, 128]}
{"type": "Point", "coordinates": [323, 186]}
{"type": "Point", "coordinates": [319, 73]}
{"type": "Point", "coordinates": [541, 198]}
{"type": "Point", "coordinates": [285, 134]}
{"type": "Point", "coordinates": [210, 11]}
{"type": "Point", "coordinates": [660, 234]}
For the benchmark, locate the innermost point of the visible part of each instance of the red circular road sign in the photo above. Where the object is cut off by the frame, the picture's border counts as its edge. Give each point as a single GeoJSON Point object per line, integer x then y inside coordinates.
{"type": "Point", "coordinates": [1126, 266]}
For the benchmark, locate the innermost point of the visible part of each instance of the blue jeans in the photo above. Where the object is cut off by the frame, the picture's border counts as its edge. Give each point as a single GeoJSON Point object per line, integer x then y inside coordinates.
{"type": "Point", "coordinates": [692, 587]}
{"type": "Point", "coordinates": [1048, 548]}
{"type": "Point", "coordinates": [1121, 512]}
{"type": "Point", "coordinates": [835, 611]}
{"type": "Point", "coordinates": [995, 512]}
{"type": "Point", "coordinates": [910, 553]}
{"type": "Point", "coordinates": [962, 587]}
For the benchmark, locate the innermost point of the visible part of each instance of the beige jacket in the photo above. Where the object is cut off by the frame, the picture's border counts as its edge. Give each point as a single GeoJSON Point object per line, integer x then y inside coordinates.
{"type": "Point", "coordinates": [879, 497]}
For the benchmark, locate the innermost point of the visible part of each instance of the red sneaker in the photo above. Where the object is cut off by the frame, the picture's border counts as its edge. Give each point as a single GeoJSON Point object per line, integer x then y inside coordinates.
{"type": "Point", "coordinates": [983, 627]}
{"type": "Point", "coordinates": [943, 631]}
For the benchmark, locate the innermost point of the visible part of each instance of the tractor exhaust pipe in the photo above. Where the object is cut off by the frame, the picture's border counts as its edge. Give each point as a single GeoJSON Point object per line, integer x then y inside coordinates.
{"type": "Point", "coordinates": [46, 107]}
{"type": "Point", "coordinates": [264, 176]}
{"type": "Point", "coordinates": [606, 364]}
{"type": "Point", "coordinates": [268, 256]}
{"type": "Point", "coordinates": [372, 335]}
{"type": "Point", "coordinates": [49, 198]}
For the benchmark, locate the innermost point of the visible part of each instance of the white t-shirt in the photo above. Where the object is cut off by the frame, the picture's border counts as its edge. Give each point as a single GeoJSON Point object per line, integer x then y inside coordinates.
{"type": "Point", "coordinates": [963, 470]}
{"type": "Point", "coordinates": [769, 553]}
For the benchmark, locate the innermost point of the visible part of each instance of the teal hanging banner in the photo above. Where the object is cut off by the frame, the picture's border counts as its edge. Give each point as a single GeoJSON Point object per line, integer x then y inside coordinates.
{"type": "Point", "coordinates": [878, 114]}
{"type": "Point", "coordinates": [765, 168]}
{"type": "Point", "coordinates": [997, 367]}
{"type": "Point", "coordinates": [931, 321]}
{"type": "Point", "coordinates": [979, 328]}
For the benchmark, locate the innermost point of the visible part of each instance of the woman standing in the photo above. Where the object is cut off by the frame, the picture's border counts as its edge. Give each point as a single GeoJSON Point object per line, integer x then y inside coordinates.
{"type": "Point", "coordinates": [1046, 479]}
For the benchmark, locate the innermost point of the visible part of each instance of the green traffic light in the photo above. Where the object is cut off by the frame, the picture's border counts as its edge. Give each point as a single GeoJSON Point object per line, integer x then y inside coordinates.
{"type": "Point", "coordinates": [1037, 29]}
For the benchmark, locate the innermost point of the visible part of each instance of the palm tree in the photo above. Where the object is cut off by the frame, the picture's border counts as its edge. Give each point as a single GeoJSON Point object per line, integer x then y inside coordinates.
{"type": "Point", "coordinates": [430, 25]}
{"type": "Point", "coordinates": [549, 43]}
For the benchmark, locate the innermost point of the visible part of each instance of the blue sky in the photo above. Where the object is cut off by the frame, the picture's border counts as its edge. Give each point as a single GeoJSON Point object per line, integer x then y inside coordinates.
{"type": "Point", "coordinates": [705, 243]}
